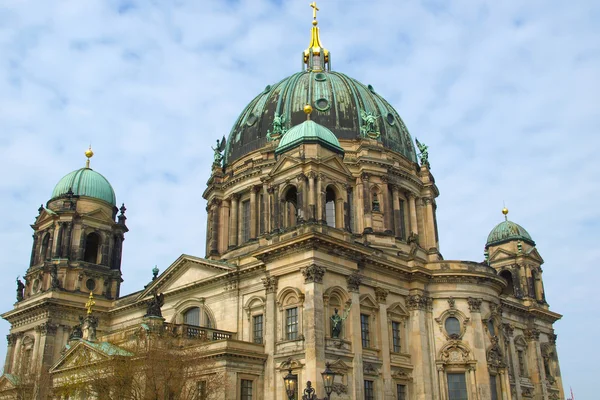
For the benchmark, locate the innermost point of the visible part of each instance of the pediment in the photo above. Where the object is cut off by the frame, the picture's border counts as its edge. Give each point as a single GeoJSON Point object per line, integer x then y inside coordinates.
{"type": "Point", "coordinates": [78, 355]}
{"type": "Point", "coordinates": [284, 163]}
{"type": "Point", "coordinates": [501, 254]}
{"type": "Point", "coordinates": [7, 382]}
{"type": "Point", "coordinates": [397, 309]}
{"type": "Point", "coordinates": [185, 270]}
{"type": "Point", "coordinates": [366, 300]}
{"type": "Point", "coordinates": [533, 253]}
{"type": "Point", "coordinates": [99, 215]}
{"type": "Point", "coordinates": [335, 163]}
{"type": "Point", "coordinates": [45, 217]}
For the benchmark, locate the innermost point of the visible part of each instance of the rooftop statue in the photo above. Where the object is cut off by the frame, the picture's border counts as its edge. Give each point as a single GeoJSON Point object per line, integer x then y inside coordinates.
{"type": "Point", "coordinates": [278, 128]}
{"type": "Point", "coordinates": [20, 289]}
{"type": "Point", "coordinates": [154, 305]}
{"type": "Point", "coordinates": [424, 154]}
{"type": "Point", "coordinates": [369, 124]}
{"type": "Point", "coordinates": [218, 156]}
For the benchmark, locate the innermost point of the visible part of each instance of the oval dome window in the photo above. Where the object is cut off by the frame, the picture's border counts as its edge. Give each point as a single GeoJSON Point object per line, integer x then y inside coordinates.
{"type": "Point", "coordinates": [322, 104]}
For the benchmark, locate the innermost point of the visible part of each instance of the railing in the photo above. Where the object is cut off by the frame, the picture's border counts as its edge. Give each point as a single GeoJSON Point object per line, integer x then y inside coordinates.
{"type": "Point", "coordinates": [200, 332]}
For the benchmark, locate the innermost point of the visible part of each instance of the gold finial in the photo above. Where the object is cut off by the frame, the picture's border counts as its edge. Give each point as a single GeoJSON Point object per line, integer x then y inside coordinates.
{"type": "Point", "coordinates": [315, 48]}
{"type": "Point", "coordinates": [90, 303]}
{"type": "Point", "coordinates": [315, 9]}
{"type": "Point", "coordinates": [307, 110]}
{"type": "Point", "coordinates": [505, 212]}
{"type": "Point", "coordinates": [89, 154]}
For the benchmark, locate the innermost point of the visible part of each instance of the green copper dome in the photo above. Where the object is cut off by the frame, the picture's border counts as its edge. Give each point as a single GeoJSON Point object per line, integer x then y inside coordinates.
{"type": "Point", "coordinates": [507, 231]}
{"type": "Point", "coordinates": [346, 107]}
{"type": "Point", "coordinates": [309, 132]}
{"type": "Point", "coordinates": [85, 182]}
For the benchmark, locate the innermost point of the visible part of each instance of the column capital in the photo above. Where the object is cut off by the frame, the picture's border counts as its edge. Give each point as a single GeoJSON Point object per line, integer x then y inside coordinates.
{"type": "Point", "coordinates": [313, 273]}
{"type": "Point", "coordinates": [270, 283]}
{"type": "Point", "coordinates": [256, 188]}
{"type": "Point", "coordinates": [532, 334]}
{"type": "Point", "coordinates": [474, 304]}
{"type": "Point", "coordinates": [384, 178]}
{"type": "Point", "coordinates": [365, 176]}
{"type": "Point", "coordinates": [301, 177]}
{"type": "Point", "coordinates": [46, 328]}
{"type": "Point", "coordinates": [381, 294]}
{"type": "Point", "coordinates": [509, 329]}
{"type": "Point", "coordinates": [354, 281]}
{"type": "Point", "coordinates": [418, 302]}
{"type": "Point", "coordinates": [311, 175]}
{"type": "Point", "coordinates": [235, 196]}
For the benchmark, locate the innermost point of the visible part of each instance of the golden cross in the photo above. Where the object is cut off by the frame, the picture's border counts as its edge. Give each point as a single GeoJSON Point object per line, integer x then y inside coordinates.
{"type": "Point", "coordinates": [90, 303]}
{"type": "Point", "coordinates": [315, 9]}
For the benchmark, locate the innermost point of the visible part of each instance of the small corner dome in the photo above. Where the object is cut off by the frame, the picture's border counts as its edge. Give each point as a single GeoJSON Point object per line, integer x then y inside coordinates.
{"type": "Point", "coordinates": [507, 231]}
{"type": "Point", "coordinates": [85, 182]}
{"type": "Point", "coordinates": [309, 132]}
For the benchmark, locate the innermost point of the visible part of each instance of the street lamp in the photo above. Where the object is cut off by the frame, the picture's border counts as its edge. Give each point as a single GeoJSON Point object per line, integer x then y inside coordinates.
{"type": "Point", "coordinates": [328, 377]}
{"type": "Point", "coordinates": [310, 392]}
{"type": "Point", "coordinates": [291, 384]}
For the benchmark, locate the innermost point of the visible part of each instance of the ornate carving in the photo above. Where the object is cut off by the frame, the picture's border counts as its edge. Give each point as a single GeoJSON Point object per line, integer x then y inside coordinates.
{"type": "Point", "coordinates": [365, 177]}
{"type": "Point", "coordinates": [451, 302]}
{"type": "Point", "coordinates": [423, 153]}
{"type": "Point", "coordinates": [552, 338]}
{"type": "Point", "coordinates": [494, 356]}
{"type": "Point", "coordinates": [381, 294]}
{"type": "Point", "coordinates": [339, 388]}
{"type": "Point", "coordinates": [20, 289]}
{"type": "Point", "coordinates": [474, 304]}
{"type": "Point", "coordinates": [455, 353]}
{"type": "Point", "coordinates": [313, 273]}
{"type": "Point", "coordinates": [509, 329]}
{"type": "Point", "coordinates": [369, 126]}
{"type": "Point", "coordinates": [354, 281]}
{"type": "Point", "coordinates": [401, 374]}
{"type": "Point", "coordinates": [311, 174]}
{"type": "Point", "coordinates": [46, 328]}
{"type": "Point", "coordinates": [369, 369]}
{"type": "Point", "coordinates": [532, 334]}
{"type": "Point", "coordinates": [418, 302]}
{"type": "Point", "coordinates": [301, 177]}
{"type": "Point", "coordinates": [270, 283]}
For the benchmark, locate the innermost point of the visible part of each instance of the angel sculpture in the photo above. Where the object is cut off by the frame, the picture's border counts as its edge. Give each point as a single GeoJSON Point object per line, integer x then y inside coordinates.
{"type": "Point", "coordinates": [424, 155]}
{"type": "Point", "coordinates": [154, 305]}
{"type": "Point", "coordinates": [336, 323]}
{"type": "Point", "coordinates": [369, 124]}
{"type": "Point", "coordinates": [218, 157]}
{"type": "Point", "coordinates": [278, 128]}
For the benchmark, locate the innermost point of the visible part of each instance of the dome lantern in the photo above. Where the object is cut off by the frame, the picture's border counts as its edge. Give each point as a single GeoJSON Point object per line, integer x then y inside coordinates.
{"type": "Point", "coordinates": [315, 57]}
{"type": "Point", "coordinates": [508, 231]}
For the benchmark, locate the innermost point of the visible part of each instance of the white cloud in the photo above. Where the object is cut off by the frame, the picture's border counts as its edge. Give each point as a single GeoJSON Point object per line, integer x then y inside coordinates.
{"type": "Point", "coordinates": [505, 94]}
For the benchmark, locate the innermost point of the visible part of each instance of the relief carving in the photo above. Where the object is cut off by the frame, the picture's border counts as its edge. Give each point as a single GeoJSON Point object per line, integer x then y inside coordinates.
{"type": "Point", "coordinates": [313, 273]}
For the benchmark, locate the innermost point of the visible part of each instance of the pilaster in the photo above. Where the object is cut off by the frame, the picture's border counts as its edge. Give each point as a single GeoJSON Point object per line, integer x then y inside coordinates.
{"type": "Point", "coordinates": [270, 284]}
{"type": "Point", "coordinates": [356, 388]}
{"type": "Point", "coordinates": [417, 305]}
{"type": "Point", "coordinates": [314, 335]}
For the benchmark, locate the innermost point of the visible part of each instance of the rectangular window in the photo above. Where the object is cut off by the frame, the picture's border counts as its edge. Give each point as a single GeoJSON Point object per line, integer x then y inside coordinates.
{"type": "Point", "coordinates": [245, 221]}
{"type": "Point", "coordinates": [401, 392]}
{"type": "Point", "coordinates": [246, 390]}
{"type": "Point", "coordinates": [291, 323]}
{"type": "Point", "coordinates": [396, 337]}
{"type": "Point", "coordinates": [257, 332]}
{"type": "Point", "coordinates": [457, 387]}
{"type": "Point", "coordinates": [402, 221]}
{"type": "Point", "coordinates": [364, 330]}
{"type": "Point", "coordinates": [521, 356]}
{"type": "Point", "coordinates": [201, 395]}
{"type": "Point", "coordinates": [493, 388]}
{"type": "Point", "coordinates": [369, 390]}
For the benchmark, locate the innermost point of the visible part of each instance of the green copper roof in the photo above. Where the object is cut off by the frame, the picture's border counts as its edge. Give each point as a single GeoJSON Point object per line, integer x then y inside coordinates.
{"type": "Point", "coordinates": [339, 104]}
{"type": "Point", "coordinates": [507, 231]}
{"type": "Point", "coordinates": [309, 132]}
{"type": "Point", "coordinates": [85, 182]}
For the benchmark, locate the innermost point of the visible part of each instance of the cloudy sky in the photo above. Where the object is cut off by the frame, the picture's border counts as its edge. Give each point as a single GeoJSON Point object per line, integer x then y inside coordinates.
{"type": "Point", "coordinates": [505, 93]}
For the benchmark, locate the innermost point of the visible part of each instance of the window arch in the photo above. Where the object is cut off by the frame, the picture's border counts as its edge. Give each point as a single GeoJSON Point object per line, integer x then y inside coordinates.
{"type": "Point", "coordinates": [521, 349]}
{"type": "Point", "coordinates": [92, 247]}
{"type": "Point", "coordinates": [198, 316]}
{"type": "Point", "coordinates": [290, 301]}
{"type": "Point", "coordinates": [456, 370]}
{"type": "Point", "coordinates": [26, 355]}
{"type": "Point", "coordinates": [510, 288]}
{"type": "Point", "coordinates": [335, 298]}
{"type": "Point", "coordinates": [330, 207]}
{"type": "Point", "coordinates": [290, 207]}
{"type": "Point", "coordinates": [45, 248]}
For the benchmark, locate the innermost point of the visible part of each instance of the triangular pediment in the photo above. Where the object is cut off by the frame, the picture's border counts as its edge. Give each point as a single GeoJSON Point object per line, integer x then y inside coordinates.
{"type": "Point", "coordinates": [501, 254]}
{"type": "Point", "coordinates": [284, 163]}
{"type": "Point", "coordinates": [335, 163]}
{"type": "Point", "coordinates": [99, 215]}
{"type": "Point", "coordinates": [8, 382]}
{"type": "Point", "coordinates": [45, 217]}
{"type": "Point", "coordinates": [533, 253]}
{"type": "Point", "coordinates": [366, 300]}
{"type": "Point", "coordinates": [185, 271]}
{"type": "Point", "coordinates": [77, 356]}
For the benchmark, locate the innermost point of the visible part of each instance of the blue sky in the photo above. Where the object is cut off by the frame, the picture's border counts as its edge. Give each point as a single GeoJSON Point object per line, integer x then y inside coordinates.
{"type": "Point", "coordinates": [504, 93]}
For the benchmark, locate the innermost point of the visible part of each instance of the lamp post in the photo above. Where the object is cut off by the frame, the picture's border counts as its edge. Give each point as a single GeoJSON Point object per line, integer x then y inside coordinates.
{"type": "Point", "coordinates": [309, 393]}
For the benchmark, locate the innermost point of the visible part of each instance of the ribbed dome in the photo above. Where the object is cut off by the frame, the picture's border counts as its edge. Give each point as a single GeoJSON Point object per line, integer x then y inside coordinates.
{"type": "Point", "coordinates": [507, 231]}
{"type": "Point", "coordinates": [309, 132]}
{"type": "Point", "coordinates": [85, 182]}
{"type": "Point", "coordinates": [338, 102]}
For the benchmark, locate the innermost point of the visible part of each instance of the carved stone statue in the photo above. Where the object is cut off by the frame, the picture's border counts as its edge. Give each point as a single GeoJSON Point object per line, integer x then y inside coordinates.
{"type": "Point", "coordinates": [336, 323]}
{"type": "Point", "coordinates": [278, 128]}
{"type": "Point", "coordinates": [54, 282]}
{"type": "Point", "coordinates": [369, 124]}
{"type": "Point", "coordinates": [424, 153]}
{"type": "Point", "coordinates": [20, 289]}
{"type": "Point", "coordinates": [309, 392]}
{"type": "Point", "coordinates": [218, 156]}
{"type": "Point", "coordinates": [77, 331]}
{"type": "Point", "coordinates": [375, 206]}
{"type": "Point", "coordinates": [155, 304]}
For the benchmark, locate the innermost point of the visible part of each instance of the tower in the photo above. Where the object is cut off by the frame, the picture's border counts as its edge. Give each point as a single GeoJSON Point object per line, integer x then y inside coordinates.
{"type": "Point", "coordinates": [76, 251]}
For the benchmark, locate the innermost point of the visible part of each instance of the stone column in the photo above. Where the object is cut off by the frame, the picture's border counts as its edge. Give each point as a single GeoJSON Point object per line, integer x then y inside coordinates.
{"type": "Point", "coordinates": [536, 362]}
{"type": "Point", "coordinates": [276, 216]}
{"type": "Point", "coordinates": [430, 222]}
{"type": "Point", "coordinates": [233, 224]}
{"type": "Point", "coordinates": [396, 207]}
{"type": "Point", "coordinates": [417, 305]}
{"type": "Point", "coordinates": [253, 212]}
{"type": "Point", "coordinates": [270, 284]}
{"type": "Point", "coordinates": [478, 346]}
{"type": "Point", "coordinates": [356, 386]}
{"type": "Point", "coordinates": [504, 383]}
{"type": "Point", "coordinates": [412, 207]}
{"type": "Point", "coordinates": [509, 333]}
{"type": "Point", "coordinates": [368, 219]}
{"type": "Point", "coordinates": [11, 339]}
{"type": "Point", "coordinates": [300, 205]}
{"type": "Point", "coordinates": [32, 259]}
{"type": "Point", "coordinates": [473, 383]}
{"type": "Point", "coordinates": [266, 217]}
{"type": "Point", "coordinates": [321, 199]}
{"type": "Point", "coordinates": [59, 241]}
{"type": "Point", "coordinates": [442, 380]}
{"type": "Point", "coordinates": [388, 383]}
{"type": "Point", "coordinates": [312, 213]}
{"type": "Point", "coordinates": [347, 210]}
{"type": "Point", "coordinates": [214, 231]}
{"type": "Point", "coordinates": [314, 335]}
{"type": "Point", "coordinates": [47, 332]}
{"type": "Point", "coordinates": [388, 214]}
{"type": "Point", "coordinates": [224, 226]}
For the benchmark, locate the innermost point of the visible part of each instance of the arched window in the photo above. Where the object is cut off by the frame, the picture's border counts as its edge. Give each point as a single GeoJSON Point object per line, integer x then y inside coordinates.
{"type": "Point", "coordinates": [197, 317]}
{"type": "Point", "coordinates": [534, 285]}
{"type": "Point", "coordinates": [45, 248]}
{"type": "Point", "coordinates": [92, 244]}
{"type": "Point", "coordinates": [330, 211]}
{"type": "Point", "coordinates": [26, 355]}
{"type": "Point", "coordinates": [290, 207]}
{"type": "Point", "coordinates": [509, 289]}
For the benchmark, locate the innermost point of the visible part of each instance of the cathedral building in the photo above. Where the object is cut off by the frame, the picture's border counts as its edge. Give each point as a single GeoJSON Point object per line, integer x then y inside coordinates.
{"type": "Point", "coordinates": [322, 253]}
